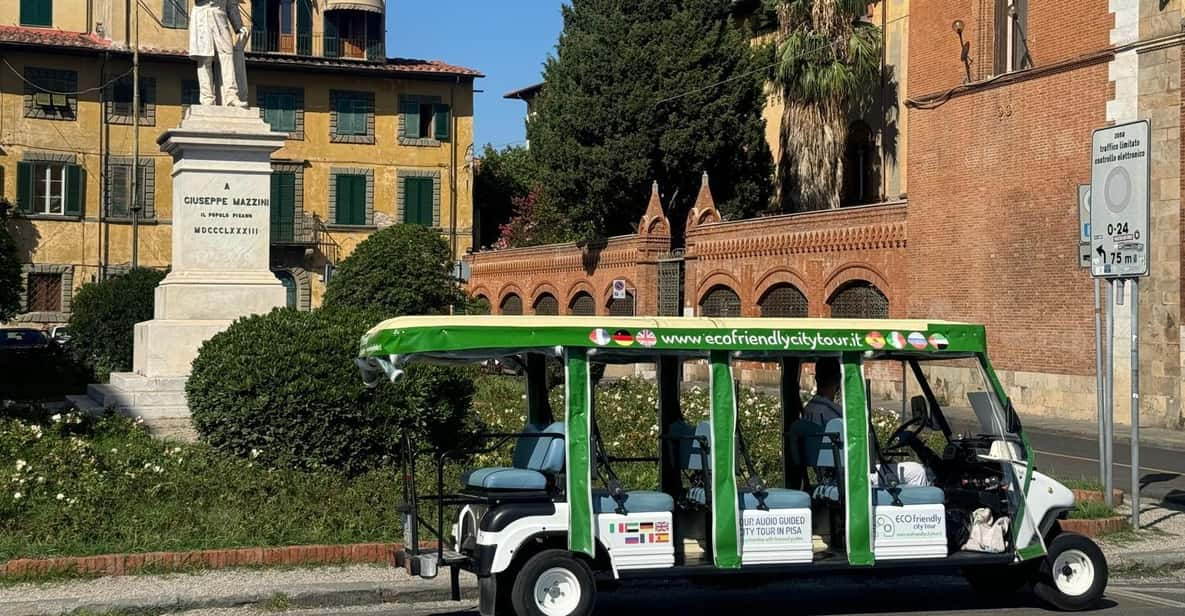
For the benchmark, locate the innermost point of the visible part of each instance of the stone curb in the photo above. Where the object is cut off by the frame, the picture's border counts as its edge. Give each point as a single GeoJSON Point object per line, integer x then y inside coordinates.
{"type": "Point", "coordinates": [299, 596]}
{"type": "Point", "coordinates": [1162, 559]}
{"type": "Point", "coordinates": [123, 564]}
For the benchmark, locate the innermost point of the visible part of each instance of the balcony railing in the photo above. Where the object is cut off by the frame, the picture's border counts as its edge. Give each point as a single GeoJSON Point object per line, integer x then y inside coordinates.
{"type": "Point", "coordinates": [317, 45]}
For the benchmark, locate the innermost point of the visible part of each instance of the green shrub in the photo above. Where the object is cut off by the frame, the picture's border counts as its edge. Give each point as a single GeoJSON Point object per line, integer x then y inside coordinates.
{"type": "Point", "coordinates": [76, 486]}
{"type": "Point", "coordinates": [403, 269]}
{"type": "Point", "coordinates": [283, 387]}
{"type": "Point", "coordinates": [104, 316]}
{"type": "Point", "coordinates": [10, 274]}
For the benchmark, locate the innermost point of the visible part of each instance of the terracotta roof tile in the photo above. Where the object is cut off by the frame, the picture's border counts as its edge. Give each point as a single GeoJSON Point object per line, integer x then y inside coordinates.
{"type": "Point", "coordinates": [48, 36]}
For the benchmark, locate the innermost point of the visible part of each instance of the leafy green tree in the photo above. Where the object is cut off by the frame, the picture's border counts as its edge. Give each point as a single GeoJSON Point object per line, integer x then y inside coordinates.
{"type": "Point", "coordinates": [104, 316]}
{"type": "Point", "coordinates": [403, 269]}
{"type": "Point", "coordinates": [10, 273]}
{"type": "Point", "coordinates": [502, 177]}
{"type": "Point", "coordinates": [651, 90]}
{"type": "Point", "coordinates": [828, 64]}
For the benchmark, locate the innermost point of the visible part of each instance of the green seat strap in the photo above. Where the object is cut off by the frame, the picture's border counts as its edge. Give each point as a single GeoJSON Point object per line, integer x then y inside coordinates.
{"type": "Point", "coordinates": [856, 463]}
{"type": "Point", "coordinates": [726, 538]}
{"type": "Point", "coordinates": [577, 444]}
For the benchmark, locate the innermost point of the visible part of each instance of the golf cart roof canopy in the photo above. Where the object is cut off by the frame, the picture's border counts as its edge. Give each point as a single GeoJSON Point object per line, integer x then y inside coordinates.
{"type": "Point", "coordinates": [465, 339]}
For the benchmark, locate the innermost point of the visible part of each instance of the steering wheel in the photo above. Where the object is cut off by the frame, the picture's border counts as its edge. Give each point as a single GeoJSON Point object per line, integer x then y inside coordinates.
{"type": "Point", "coordinates": [906, 435]}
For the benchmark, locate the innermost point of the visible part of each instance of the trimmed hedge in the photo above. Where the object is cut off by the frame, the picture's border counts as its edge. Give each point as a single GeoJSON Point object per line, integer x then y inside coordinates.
{"type": "Point", "coordinates": [403, 269]}
{"type": "Point", "coordinates": [104, 316]}
{"type": "Point", "coordinates": [283, 388]}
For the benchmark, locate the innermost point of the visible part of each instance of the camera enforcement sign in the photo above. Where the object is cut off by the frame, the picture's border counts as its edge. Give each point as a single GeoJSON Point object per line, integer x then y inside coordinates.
{"type": "Point", "coordinates": [1119, 182]}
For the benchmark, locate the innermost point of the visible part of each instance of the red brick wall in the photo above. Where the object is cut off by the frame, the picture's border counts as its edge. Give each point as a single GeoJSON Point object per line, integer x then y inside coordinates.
{"type": "Point", "coordinates": [993, 178]}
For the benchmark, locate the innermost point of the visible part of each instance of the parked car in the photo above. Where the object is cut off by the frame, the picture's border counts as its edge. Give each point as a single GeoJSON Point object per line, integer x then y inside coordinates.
{"type": "Point", "coordinates": [60, 334]}
{"type": "Point", "coordinates": [22, 340]}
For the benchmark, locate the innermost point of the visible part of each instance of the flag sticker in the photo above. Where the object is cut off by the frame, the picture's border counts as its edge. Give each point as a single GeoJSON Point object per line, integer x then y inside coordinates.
{"type": "Point", "coordinates": [623, 337]}
{"type": "Point", "coordinates": [875, 340]}
{"type": "Point", "coordinates": [896, 340]}
{"type": "Point", "coordinates": [599, 337]}
{"type": "Point", "coordinates": [646, 338]}
{"type": "Point", "coordinates": [939, 341]}
{"type": "Point", "coordinates": [918, 341]}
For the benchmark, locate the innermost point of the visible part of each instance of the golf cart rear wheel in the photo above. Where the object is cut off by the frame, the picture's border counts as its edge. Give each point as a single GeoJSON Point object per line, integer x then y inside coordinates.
{"type": "Point", "coordinates": [1073, 575]}
{"type": "Point", "coordinates": [554, 583]}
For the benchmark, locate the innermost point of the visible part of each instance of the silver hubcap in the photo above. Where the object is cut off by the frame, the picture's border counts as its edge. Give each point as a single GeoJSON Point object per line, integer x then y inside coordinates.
{"type": "Point", "coordinates": [557, 592]}
{"type": "Point", "coordinates": [1073, 573]}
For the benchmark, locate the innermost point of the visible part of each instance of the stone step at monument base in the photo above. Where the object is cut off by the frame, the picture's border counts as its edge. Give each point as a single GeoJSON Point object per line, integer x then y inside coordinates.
{"type": "Point", "coordinates": [159, 402]}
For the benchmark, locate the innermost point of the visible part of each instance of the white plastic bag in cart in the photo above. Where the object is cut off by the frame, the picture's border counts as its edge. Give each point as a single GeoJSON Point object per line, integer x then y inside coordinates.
{"type": "Point", "coordinates": [986, 535]}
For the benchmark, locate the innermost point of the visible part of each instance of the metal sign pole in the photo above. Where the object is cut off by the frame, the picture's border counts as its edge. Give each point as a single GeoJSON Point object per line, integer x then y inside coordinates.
{"type": "Point", "coordinates": [1099, 388]}
{"type": "Point", "coordinates": [1108, 398]}
{"type": "Point", "coordinates": [1135, 437]}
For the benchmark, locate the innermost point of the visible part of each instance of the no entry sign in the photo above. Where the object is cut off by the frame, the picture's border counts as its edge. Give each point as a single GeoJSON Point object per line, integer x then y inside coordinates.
{"type": "Point", "coordinates": [1119, 212]}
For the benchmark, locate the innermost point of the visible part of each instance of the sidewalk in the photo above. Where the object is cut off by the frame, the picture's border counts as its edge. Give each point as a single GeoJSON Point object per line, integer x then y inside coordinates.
{"type": "Point", "coordinates": [265, 588]}
{"type": "Point", "coordinates": [1159, 545]}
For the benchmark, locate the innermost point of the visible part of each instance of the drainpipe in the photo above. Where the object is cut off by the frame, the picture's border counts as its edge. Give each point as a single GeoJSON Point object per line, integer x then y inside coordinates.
{"type": "Point", "coordinates": [135, 196]}
{"type": "Point", "coordinates": [104, 160]}
{"type": "Point", "coordinates": [884, 97]}
{"type": "Point", "coordinates": [452, 176]}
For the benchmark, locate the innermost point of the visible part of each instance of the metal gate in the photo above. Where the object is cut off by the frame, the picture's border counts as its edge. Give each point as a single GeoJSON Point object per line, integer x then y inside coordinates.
{"type": "Point", "coordinates": [670, 284]}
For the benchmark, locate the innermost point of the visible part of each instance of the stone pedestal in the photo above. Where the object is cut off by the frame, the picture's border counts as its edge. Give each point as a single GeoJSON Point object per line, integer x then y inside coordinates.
{"type": "Point", "coordinates": [220, 263]}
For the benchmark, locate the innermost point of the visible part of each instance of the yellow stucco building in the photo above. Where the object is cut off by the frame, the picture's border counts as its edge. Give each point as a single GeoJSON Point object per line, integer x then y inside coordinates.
{"type": "Point", "coordinates": [373, 141]}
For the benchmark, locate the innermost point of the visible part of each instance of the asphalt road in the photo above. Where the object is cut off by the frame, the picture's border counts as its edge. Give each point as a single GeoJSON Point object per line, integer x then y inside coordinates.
{"type": "Point", "coordinates": [917, 596]}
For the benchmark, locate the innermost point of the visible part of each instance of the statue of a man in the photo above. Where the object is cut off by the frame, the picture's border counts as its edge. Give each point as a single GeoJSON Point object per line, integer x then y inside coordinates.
{"type": "Point", "coordinates": [216, 31]}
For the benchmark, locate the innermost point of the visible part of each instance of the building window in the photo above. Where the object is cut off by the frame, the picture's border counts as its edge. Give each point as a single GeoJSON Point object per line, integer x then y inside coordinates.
{"type": "Point", "coordinates": [424, 120]}
{"type": "Point", "coordinates": [191, 93]}
{"type": "Point", "coordinates": [120, 189]}
{"type": "Point", "coordinates": [417, 201]}
{"type": "Point", "coordinates": [284, 26]}
{"type": "Point", "coordinates": [354, 34]}
{"type": "Point", "coordinates": [50, 94]}
{"type": "Point", "coordinates": [721, 301]}
{"type": "Point", "coordinates": [38, 13]}
{"type": "Point", "coordinates": [547, 305]}
{"type": "Point", "coordinates": [622, 306]}
{"type": "Point", "coordinates": [784, 301]}
{"type": "Point", "coordinates": [283, 109]}
{"type": "Point", "coordinates": [582, 305]}
{"type": "Point", "coordinates": [352, 117]}
{"type": "Point", "coordinates": [44, 293]}
{"type": "Point", "coordinates": [120, 102]}
{"type": "Point", "coordinates": [283, 207]}
{"type": "Point", "coordinates": [1011, 32]}
{"type": "Point", "coordinates": [350, 199]}
{"type": "Point", "coordinates": [860, 164]}
{"type": "Point", "coordinates": [49, 188]}
{"type": "Point", "coordinates": [512, 304]}
{"type": "Point", "coordinates": [175, 14]}
{"type": "Point", "coordinates": [859, 300]}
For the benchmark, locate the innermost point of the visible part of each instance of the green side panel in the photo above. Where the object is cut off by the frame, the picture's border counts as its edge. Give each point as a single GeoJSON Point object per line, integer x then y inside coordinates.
{"type": "Point", "coordinates": [443, 122]}
{"type": "Point", "coordinates": [856, 463]}
{"type": "Point", "coordinates": [726, 538]}
{"type": "Point", "coordinates": [24, 187]}
{"type": "Point", "coordinates": [1035, 550]}
{"type": "Point", "coordinates": [75, 190]}
{"type": "Point", "coordinates": [304, 27]}
{"type": "Point", "coordinates": [577, 444]}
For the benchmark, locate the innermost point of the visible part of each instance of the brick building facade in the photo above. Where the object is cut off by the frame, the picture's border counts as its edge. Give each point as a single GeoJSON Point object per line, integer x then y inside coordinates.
{"type": "Point", "coordinates": [988, 229]}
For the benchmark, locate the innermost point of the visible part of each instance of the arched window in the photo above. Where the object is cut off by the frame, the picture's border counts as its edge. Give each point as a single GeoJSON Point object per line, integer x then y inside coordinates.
{"type": "Point", "coordinates": [582, 305]}
{"type": "Point", "coordinates": [721, 301]}
{"type": "Point", "coordinates": [623, 307]}
{"type": "Point", "coordinates": [512, 304]}
{"type": "Point", "coordinates": [547, 305]}
{"type": "Point", "coordinates": [289, 282]}
{"type": "Point", "coordinates": [783, 300]}
{"type": "Point", "coordinates": [480, 305]}
{"type": "Point", "coordinates": [860, 163]}
{"type": "Point", "coordinates": [859, 300]}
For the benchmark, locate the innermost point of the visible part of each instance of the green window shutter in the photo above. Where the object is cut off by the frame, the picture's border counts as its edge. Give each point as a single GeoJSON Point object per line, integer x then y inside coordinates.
{"type": "Point", "coordinates": [361, 109]}
{"type": "Point", "coordinates": [75, 190]}
{"type": "Point", "coordinates": [304, 27]}
{"type": "Point", "coordinates": [351, 115]}
{"type": "Point", "coordinates": [287, 105]}
{"type": "Point", "coordinates": [24, 187]}
{"type": "Point", "coordinates": [283, 206]}
{"type": "Point", "coordinates": [37, 13]}
{"type": "Point", "coordinates": [443, 122]}
{"type": "Point", "coordinates": [411, 117]}
{"type": "Point", "coordinates": [351, 199]}
{"type": "Point", "coordinates": [359, 200]}
{"type": "Point", "coordinates": [342, 200]}
{"type": "Point", "coordinates": [417, 201]}
{"type": "Point", "coordinates": [119, 190]}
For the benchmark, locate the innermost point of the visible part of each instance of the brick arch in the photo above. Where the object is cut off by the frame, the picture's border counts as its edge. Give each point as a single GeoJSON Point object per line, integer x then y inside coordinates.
{"type": "Point", "coordinates": [507, 289]}
{"type": "Point", "coordinates": [481, 291]}
{"type": "Point", "coordinates": [540, 289]}
{"type": "Point", "coordinates": [776, 276]}
{"type": "Point", "coordinates": [721, 278]}
{"type": "Point", "coordinates": [857, 272]}
{"type": "Point", "coordinates": [576, 288]}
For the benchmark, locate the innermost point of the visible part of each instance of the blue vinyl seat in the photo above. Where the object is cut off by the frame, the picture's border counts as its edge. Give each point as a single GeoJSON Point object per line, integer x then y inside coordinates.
{"type": "Point", "coordinates": [636, 501]}
{"type": "Point", "coordinates": [535, 459]}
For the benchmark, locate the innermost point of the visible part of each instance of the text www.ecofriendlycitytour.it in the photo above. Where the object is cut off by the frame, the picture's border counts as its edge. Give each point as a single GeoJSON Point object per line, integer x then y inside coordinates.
{"type": "Point", "coordinates": [776, 338]}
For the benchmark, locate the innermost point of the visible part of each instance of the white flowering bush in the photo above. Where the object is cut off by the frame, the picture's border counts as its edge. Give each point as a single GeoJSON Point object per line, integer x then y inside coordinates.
{"type": "Point", "coordinates": [73, 485]}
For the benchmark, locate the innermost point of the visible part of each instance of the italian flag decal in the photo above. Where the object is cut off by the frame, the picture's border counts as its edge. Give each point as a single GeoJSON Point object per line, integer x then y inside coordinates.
{"type": "Point", "coordinates": [577, 442]}
{"type": "Point", "coordinates": [726, 532]}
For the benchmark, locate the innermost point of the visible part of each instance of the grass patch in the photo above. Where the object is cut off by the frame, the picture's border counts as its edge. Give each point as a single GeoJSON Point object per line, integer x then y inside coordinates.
{"type": "Point", "coordinates": [278, 602]}
{"type": "Point", "coordinates": [1083, 484]}
{"type": "Point", "coordinates": [1129, 536]}
{"type": "Point", "coordinates": [1091, 510]}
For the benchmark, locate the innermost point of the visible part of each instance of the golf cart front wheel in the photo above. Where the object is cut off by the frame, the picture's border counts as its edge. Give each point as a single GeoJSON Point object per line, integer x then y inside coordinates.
{"type": "Point", "coordinates": [1073, 575]}
{"type": "Point", "coordinates": [554, 583]}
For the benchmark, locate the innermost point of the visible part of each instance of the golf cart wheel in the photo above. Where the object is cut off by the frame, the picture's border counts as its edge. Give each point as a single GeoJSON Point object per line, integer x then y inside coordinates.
{"type": "Point", "coordinates": [554, 583]}
{"type": "Point", "coordinates": [1000, 580]}
{"type": "Point", "coordinates": [1073, 575]}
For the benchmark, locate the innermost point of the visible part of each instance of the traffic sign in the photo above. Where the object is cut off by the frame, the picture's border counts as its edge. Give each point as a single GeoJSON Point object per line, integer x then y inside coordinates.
{"type": "Point", "coordinates": [1084, 225]}
{"type": "Point", "coordinates": [619, 289]}
{"type": "Point", "coordinates": [1120, 176]}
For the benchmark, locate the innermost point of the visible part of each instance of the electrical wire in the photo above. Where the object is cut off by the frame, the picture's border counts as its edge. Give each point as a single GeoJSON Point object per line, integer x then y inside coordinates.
{"type": "Point", "coordinates": [79, 92]}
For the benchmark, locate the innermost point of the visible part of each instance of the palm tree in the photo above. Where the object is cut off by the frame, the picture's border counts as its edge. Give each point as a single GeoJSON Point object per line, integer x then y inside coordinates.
{"type": "Point", "coordinates": [828, 65]}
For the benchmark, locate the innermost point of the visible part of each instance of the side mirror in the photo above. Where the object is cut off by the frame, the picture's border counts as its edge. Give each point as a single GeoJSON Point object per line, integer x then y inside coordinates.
{"type": "Point", "coordinates": [919, 408]}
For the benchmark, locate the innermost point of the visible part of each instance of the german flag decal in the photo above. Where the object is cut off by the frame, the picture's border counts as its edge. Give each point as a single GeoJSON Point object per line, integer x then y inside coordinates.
{"type": "Point", "coordinates": [623, 337]}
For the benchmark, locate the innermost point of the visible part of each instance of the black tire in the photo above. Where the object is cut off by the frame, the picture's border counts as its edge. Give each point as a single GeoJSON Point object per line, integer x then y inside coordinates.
{"type": "Point", "coordinates": [997, 580]}
{"type": "Point", "coordinates": [554, 564]}
{"type": "Point", "coordinates": [1070, 555]}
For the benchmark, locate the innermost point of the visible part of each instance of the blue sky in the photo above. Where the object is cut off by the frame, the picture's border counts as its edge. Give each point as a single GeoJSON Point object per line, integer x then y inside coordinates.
{"type": "Point", "coordinates": [508, 40]}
